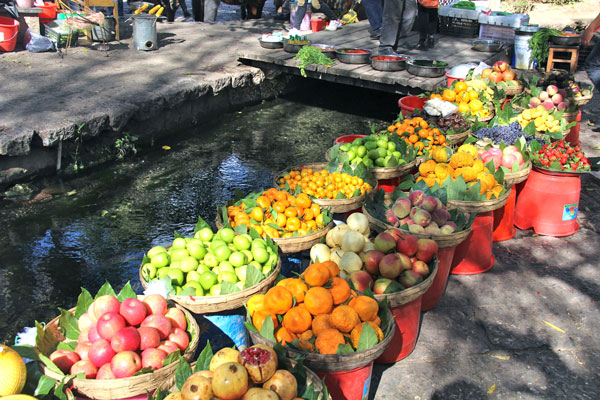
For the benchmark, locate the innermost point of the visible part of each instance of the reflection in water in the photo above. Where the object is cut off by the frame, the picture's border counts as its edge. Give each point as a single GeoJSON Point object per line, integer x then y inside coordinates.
{"type": "Point", "coordinates": [99, 233]}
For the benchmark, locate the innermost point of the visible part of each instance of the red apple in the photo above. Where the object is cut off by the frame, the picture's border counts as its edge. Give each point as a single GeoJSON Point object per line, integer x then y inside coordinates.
{"type": "Point", "coordinates": [177, 318]}
{"type": "Point", "coordinates": [85, 322]}
{"type": "Point", "coordinates": [64, 359]}
{"type": "Point", "coordinates": [501, 66]}
{"type": "Point", "coordinates": [486, 73]}
{"type": "Point", "coordinates": [509, 75]}
{"type": "Point", "coordinates": [384, 242]}
{"type": "Point", "coordinates": [167, 346]}
{"type": "Point", "coordinates": [395, 232]}
{"type": "Point", "coordinates": [105, 304]}
{"type": "Point", "coordinates": [109, 324]}
{"type": "Point", "coordinates": [84, 367]}
{"type": "Point", "coordinates": [133, 310]}
{"type": "Point", "coordinates": [180, 338]}
{"type": "Point", "coordinates": [83, 336]}
{"type": "Point", "coordinates": [153, 358]}
{"type": "Point", "coordinates": [90, 313]}
{"type": "Point", "coordinates": [93, 334]}
{"type": "Point", "coordinates": [101, 352]}
{"type": "Point", "coordinates": [82, 349]}
{"type": "Point", "coordinates": [127, 339]}
{"type": "Point", "coordinates": [361, 280]}
{"type": "Point", "coordinates": [373, 258]}
{"type": "Point", "coordinates": [393, 264]}
{"type": "Point", "coordinates": [155, 304]}
{"type": "Point", "coordinates": [496, 77]}
{"type": "Point", "coordinates": [407, 244]}
{"type": "Point", "coordinates": [104, 372]}
{"type": "Point", "coordinates": [160, 322]}
{"type": "Point", "coordinates": [125, 364]}
{"type": "Point", "coordinates": [149, 337]}
{"type": "Point", "coordinates": [427, 249]}
{"type": "Point", "coordinates": [409, 278]}
{"type": "Point", "coordinates": [420, 268]}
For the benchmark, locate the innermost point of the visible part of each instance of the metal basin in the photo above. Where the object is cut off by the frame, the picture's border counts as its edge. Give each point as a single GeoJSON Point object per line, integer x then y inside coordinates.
{"type": "Point", "coordinates": [293, 47]}
{"type": "Point", "coordinates": [487, 45]}
{"type": "Point", "coordinates": [566, 40]}
{"type": "Point", "coordinates": [327, 49]}
{"type": "Point", "coordinates": [388, 63]}
{"type": "Point", "coordinates": [426, 68]}
{"type": "Point", "coordinates": [270, 44]}
{"type": "Point", "coordinates": [353, 56]}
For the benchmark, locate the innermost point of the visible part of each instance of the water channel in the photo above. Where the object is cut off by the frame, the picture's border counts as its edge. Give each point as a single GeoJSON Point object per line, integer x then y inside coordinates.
{"type": "Point", "coordinates": [99, 228]}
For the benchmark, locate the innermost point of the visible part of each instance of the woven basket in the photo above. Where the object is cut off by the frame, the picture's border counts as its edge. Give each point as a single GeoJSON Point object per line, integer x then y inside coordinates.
{"type": "Point", "coordinates": [443, 241]}
{"type": "Point", "coordinates": [458, 138]}
{"type": "Point", "coordinates": [162, 378]}
{"type": "Point", "coordinates": [333, 205]}
{"type": "Point", "coordinates": [397, 299]}
{"type": "Point", "coordinates": [479, 206]}
{"type": "Point", "coordinates": [336, 362]}
{"type": "Point", "coordinates": [393, 172]}
{"type": "Point", "coordinates": [512, 90]}
{"type": "Point", "coordinates": [570, 116]}
{"type": "Point", "coordinates": [212, 304]}
{"type": "Point", "coordinates": [517, 177]}
{"type": "Point", "coordinates": [486, 119]}
{"type": "Point", "coordinates": [583, 100]}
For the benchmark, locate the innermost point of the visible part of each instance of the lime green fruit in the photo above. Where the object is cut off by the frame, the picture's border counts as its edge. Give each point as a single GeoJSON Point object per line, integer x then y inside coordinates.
{"type": "Point", "coordinates": [204, 234]}
{"type": "Point", "coordinates": [241, 242]}
{"type": "Point", "coordinates": [155, 250]}
{"type": "Point", "coordinates": [188, 264]}
{"type": "Point", "coordinates": [176, 276]}
{"type": "Point", "coordinates": [227, 234]}
{"type": "Point", "coordinates": [179, 243]}
{"type": "Point", "coordinates": [207, 279]}
{"type": "Point", "coordinates": [195, 285]}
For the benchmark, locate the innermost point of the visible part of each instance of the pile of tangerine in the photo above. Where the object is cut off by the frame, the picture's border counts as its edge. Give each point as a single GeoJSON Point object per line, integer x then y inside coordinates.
{"type": "Point", "coordinates": [416, 132]}
{"type": "Point", "coordinates": [465, 97]}
{"type": "Point", "coordinates": [291, 214]}
{"type": "Point", "coordinates": [325, 185]}
{"type": "Point", "coordinates": [319, 309]}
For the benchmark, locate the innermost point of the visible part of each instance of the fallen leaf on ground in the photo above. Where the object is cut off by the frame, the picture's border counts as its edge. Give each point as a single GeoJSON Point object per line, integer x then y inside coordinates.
{"type": "Point", "coordinates": [492, 388]}
{"type": "Point", "coordinates": [554, 326]}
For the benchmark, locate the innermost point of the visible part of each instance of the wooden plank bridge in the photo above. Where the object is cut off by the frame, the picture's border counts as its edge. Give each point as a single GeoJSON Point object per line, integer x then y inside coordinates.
{"type": "Point", "coordinates": [452, 50]}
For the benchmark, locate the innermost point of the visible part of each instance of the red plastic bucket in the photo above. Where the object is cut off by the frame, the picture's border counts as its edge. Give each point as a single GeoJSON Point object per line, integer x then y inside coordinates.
{"type": "Point", "coordinates": [451, 79]}
{"type": "Point", "coordinates": [349, 385]}
{"type": "Point", "coordinates": [504, 217]}
{"type": "Point", "coordinates": [347, 138]}
{"type": "Point", "coordinates": [9, 28]}
{"type": "Point", "coordinates": [48, 13]}
{"type": "Point", "coordinates": [408, 318]}
{"type": "Point", "coordinates": [573, 136]}
{"type": "Point", "coordinates": [548, 203]}
{"type": "Point", "coordinates": [409, 103]}
{"type": "Point", "coordinates": [432, 296]}
{"type": "Point", "coordinates": [317, 24]}
{"type": "Point", "coordinates": [474, 255]}
{"type": "Point", "coordinates": [388, 185]}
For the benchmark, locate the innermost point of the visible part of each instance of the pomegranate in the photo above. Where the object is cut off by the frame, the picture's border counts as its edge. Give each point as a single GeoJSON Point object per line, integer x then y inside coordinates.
{"type": "Point", "coordinates": [226, 354]}
{"type": "Point", "coordinates": [260, 361]}
{"type": "Point", "coordinates": [283, 383]}
{"type": "Point", "coordinates": [230, 381]}
{"type": "Point", "coordinates": [197, 388]}
{"type": "Point", "coordinates": [260, 394]}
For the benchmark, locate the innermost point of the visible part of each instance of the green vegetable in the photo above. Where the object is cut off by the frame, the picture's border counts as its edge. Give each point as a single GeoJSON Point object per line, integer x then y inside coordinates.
{"type": "Point", "coordinates": [539, 43]}
{"type": "Point", "coordinates": [465, 5]}
{"type": "Point", "coordinates": [311, 55]}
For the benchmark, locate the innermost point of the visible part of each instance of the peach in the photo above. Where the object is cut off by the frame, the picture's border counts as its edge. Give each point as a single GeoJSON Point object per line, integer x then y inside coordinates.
{"type": "Point", "coordinates": [373, 258]}
{"type": "Point", "coordinates": [420, 268]}
{"type": "Point", "coordinates": [416, 197]}
{"type": "Point", "coordinates": [543, 96]}
{"type": "Point", "coordinates": [391, 218]}
{"type": "Point", "coordinates": [557, 98]}
{"type": "Point", "coordinates": [426, 249]}
{"type": "Point", "coordinates": [433, 229]}
{"type": "Point", "coordinates": [361, 280]}
{"type": "Point", "coordinates": [534, 102]}
{"type": "Point", "coordinates": [392, 265]}
{"type": "Point", "coordinates": [409, 278]}
{"type": "Point", "coordinates": [416, 229]}
{"type": "Point", "coordinates": [401, 207]}
{"type": "Point", "coordinates": [448, 228]}
{"type": "Point", "coordinates": [407, 244]}
{"type": "Point", "coordinates": [422, 217]}
{"type": "Point", "coordinates": [384, 242]}
{"type": "Point", "coordinates": [508, 160]}
{"type": "Point", "coordinates": [430, 204]}
{"type": "Point", "coordinates": [385, 285]}
{"type": "Point", "coordinates": [552, 90]}
{"type": "Point", "coordinates": [395, 232]}
{"type": "Point", "coordinates": [440, 216]}
{"type": "Point", "coordinates": [406, 221]}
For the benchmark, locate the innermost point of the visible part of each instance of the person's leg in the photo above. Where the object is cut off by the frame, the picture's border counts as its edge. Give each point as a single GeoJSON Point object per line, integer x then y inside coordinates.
{"type": "Point", "coordinates": [422, 24]}
{"type": "Point", "coordinates": [321, 6]}
{"type": "Point", "coordinates": [432, 26]}
{"type": "Point", "coordinates": [374, 13]}
{"type": "Point", "coordinates": [211, 7]}
{"type": "Point", "coordinates": [408, 17]}
{"type": "Point", "coordinates": [390, 27]}
{"type": "Point", "coordinates": [299, 15]}
{"type": "Point", "coordinates": [592, 66]}
{"type": "Point", "coordinates": [184, 8]}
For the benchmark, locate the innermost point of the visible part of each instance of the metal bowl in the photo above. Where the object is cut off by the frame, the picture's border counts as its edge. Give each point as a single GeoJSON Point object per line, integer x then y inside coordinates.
{"type": "Point", "coordinates": [327, 49]}
{"type": "Point", "coordinates": [268, 44]}
{"type": "Point", "coordinates": [347, 55]}
{"type": "Point", "coordinates": [293, 47]}
{"type": "Point", "coordinates": [426, 68]}
{"type": "Point", "coordinates": [487, 45]}
{"type": "Point", "coordinates": [565, 40]}
{"type": "Point", "coordinates": [388, 63]}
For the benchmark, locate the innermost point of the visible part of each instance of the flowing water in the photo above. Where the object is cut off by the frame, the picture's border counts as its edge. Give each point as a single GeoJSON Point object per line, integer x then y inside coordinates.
{"type": "Point", "coordinates": [99, 230]}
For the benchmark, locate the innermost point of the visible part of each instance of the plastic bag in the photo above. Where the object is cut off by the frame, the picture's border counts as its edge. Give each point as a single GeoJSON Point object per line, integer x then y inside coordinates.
{"type": "Point", "coordinates": [38, 43]}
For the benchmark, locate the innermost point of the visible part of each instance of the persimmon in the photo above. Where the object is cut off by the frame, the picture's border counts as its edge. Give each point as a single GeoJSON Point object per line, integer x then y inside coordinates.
{"type": "Point", "coordinates": [333, 268]}
{"type": "Point", "coordinates": [318, 300]}
{"type": "Point", "coordinates": [257, 214]}
{"type": "Point", "coordinates": [297, 320]}
{"type": "Point", "coordinates": [278, 300]}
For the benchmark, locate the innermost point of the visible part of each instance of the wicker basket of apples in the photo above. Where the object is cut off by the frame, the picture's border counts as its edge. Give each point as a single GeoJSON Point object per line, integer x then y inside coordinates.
{"type": "Point", "coordinates": [504, 77]}
{"type": "Point", "coordinates": [117, 346]}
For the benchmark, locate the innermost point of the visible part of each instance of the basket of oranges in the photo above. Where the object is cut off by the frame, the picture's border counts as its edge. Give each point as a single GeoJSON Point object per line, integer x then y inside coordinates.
{"type": "Point", "coordinates": [293, 222]}
{"type": "Point", "coordinates": [336, 191]}
{"type": "Point", "coordinates": [470, 97]}
{"type": "Point", "coordinates": [323, 319]}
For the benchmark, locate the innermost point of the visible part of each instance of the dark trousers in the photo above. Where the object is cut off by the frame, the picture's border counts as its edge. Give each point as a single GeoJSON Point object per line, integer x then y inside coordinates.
{"type": "Point", "coordinates": [427, 20]}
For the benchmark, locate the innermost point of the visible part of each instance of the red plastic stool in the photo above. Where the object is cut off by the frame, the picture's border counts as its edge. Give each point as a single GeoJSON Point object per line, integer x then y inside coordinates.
{"type": "Point", "coordinates": [432, 296]}
{"type": "Point", "coordinates": [474, 255]}
{"type": "Point", "coordinates": [504, 227]}
{"type": "Point", "coordinates": [408, 319]}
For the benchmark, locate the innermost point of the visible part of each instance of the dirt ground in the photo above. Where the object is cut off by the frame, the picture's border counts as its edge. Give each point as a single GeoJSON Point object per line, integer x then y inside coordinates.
{"type": "Point", "coordinates": [553, 16]}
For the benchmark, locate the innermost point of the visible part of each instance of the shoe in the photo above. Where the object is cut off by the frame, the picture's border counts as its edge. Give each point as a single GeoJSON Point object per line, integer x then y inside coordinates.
{"type": "Point", "coordinates": [280, 17]}
{"type": "Point", "coordinates": [422, 46]}
{"type": "Point", "coordinates": [187, 14]}
{"type": "Point", "coordinates": [430, 41]}
{"type": "Point", "coordinates": [407, 46]}
{"type": "Point", "coordinates": [387, 51]}
{"type": "Point", "coordinates": [334, 25]}
{"type": "Point", "coordinates": [376, 34]}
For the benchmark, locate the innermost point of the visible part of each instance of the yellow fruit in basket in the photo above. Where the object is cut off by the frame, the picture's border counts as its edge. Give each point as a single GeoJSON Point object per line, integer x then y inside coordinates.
{"type": "Point", "coordinates": [475, 105]}
{"type": "Point", "coordinates": [473, 95]}
{"type": "Point", "coordinates": [463, 107]}
{"type": "Point", "coordinates": [460, 86]}
{"type": "Point", "coordinates": [23, 397]}
{"type": "Point", "coordinates": [13, 372]}
{"type": "Point", "coordinates": [526, 114]}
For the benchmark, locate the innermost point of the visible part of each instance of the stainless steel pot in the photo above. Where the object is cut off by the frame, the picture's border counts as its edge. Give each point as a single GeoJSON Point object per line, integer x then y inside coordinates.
{"type": "Point", "coordinates": [293, 47]}
{"type": "Point", "coordinates": [565, 40]}
{"type": "Point", "coordinates": [268, 44]}
{"type": "Point", "coordinates": [346, 56]}
{"type": "Point", "coordinates": [390, 63]}
{"type": "Point", "coordinates": [327, 49]}
{"type": "Point", "coordinates": [487, 45]}
{"type": "Point", "coordinates": [426, 68]}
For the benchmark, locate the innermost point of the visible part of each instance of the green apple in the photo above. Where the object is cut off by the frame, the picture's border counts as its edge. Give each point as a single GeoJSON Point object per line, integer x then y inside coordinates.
{"type": "Point", "coordinates": [162, 272]}
{"type": "Point", "coordinates": [228, 276]}
{"type": "Point", "coordinates": [148, 271]}
{"type": "Point", "coordinates": [260, 254]}
{"type": "Point", "coordinates": [196, 249]}
{"type": "Point", "coordinates": [207, 279]}
{"type": "Point", "coordinates": [160, 260]}
{"type": "Point", "coordinates": [188, 264]}
{"type": "Point", "coordinates": [256, 265]}
{"type": "Point", "coordinates": [176, 275]}
{"type": "Point", "coordinates": [195, 285]}
{"type": "Point", "coordinates": [240, 285]}
{"type": "Point", "coordinates": [155, 250]}
{"type": "Point", "coordinates": [241, 242]}
{"type": "Point", "coordinates": [215, 290]}
{"type": "Point", "coordinates": [258, 242]}
{"type": "Point", "coordinates": [231, 247]}
{"type": "Point", "coordinates": [175, 264]}
{"type": "Point", "coordinates": [217, 243]}
{"type": "Point", "coordinates": [249, 256]}
{"type": "Point", "coordinates": [210, 260]}
{"type": "Point", "coordinates": [202, 268]}
{"type": "Point", "coordinates": [266, 270]}
{"type": "Point", "coordinates": [226, 266]}
{"type": "Point", "coordinates": [187, 239]}
{"type": "Point", "coordinates": [179, 243]}
{"type": "Point", "coordinates": [237, 259]}
{"type": "Point", "coordinates": [192, 276]}
{"type": "Point", "coordinates": [241, 273]}
{"type": "Point", "coordinates": [222, 253]}
{"type": "Point", "coordinates": [179, 253]}
{"type": "Point", "coordinates": [227, 234]}
{"type": "Point", "coordinates": [204, 234]}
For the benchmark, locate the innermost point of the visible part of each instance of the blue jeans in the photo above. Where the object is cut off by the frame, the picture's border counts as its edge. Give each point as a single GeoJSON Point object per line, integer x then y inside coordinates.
{"type": "Point", "coordinates": [374, 12]}
{"type": "Point", "coordinates": [592, 65]}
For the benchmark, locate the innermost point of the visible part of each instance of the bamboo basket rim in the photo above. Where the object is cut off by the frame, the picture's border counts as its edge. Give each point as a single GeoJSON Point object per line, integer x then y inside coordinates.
{"type": "Point", "coordinates": [336, 362]}
{"type": "Point", "coordinates": [443, 241]}
{"type": "Point", "coordinates": [517, 177]}
{"type": "Point", "coordinates": [583, 100]}
{"type": "Point", "coordinates": [407, 295]}
{"type": "Point", "coordinates": [386, 172]}
{"type": "Point", "coordinates": [512, 90]}
{"type": "Point", "coordinates": [457, 137]}
{"type": "Point", "coordinates": [127, 387]}
{"type": "Point", "coordinates": [225, 302]}
{"type": "Point", "coordinates": [481, 205]}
